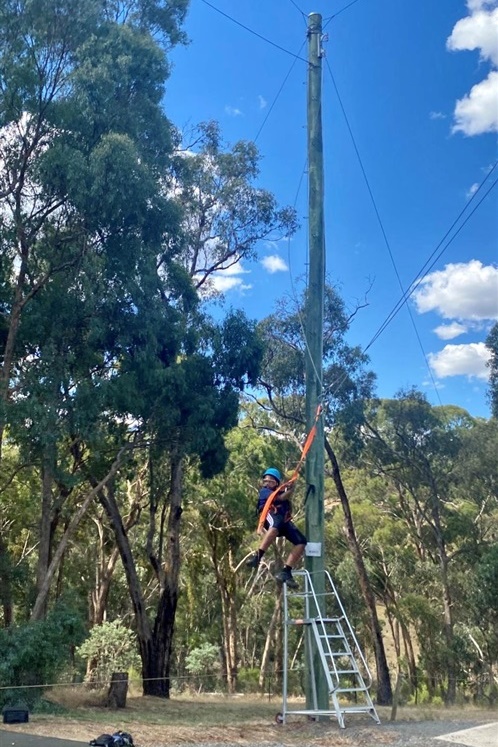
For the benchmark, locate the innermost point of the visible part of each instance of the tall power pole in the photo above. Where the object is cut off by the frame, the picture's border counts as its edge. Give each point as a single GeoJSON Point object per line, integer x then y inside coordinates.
{"type": "Point", "coordinates": [314, 346]}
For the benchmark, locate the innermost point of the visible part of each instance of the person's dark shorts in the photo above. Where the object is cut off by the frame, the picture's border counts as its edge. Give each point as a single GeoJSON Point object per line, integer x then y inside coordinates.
{"type": "Point", "coordinates": [285, 528]}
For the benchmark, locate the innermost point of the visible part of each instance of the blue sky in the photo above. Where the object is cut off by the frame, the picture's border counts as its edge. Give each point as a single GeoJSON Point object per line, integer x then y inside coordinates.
{"type": "Point", "coordinates": [419, 86]}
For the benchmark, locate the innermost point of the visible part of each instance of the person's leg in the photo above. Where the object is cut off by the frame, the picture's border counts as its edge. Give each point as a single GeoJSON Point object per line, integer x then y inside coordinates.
{"type": "Point", "coordinates": [292, 533]}
{"type": "Point", "coordinates": [270, 536]}
{"type": "Point", "coordinates": [295, 555]}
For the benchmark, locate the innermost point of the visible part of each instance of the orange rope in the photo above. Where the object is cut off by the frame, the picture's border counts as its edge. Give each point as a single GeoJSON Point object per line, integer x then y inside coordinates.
{"type": "Point", "coordinates": [295, 474]}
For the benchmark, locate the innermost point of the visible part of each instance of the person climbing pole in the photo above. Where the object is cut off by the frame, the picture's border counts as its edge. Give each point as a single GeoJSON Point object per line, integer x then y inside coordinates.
{"type": "Point", "coordinates": [278, 523]}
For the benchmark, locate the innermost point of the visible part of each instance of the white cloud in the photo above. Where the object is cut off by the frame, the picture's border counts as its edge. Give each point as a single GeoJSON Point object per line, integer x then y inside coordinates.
{"type": "Point", "coordinates": [461, 360]}
{"type": "Point", "coordinates": [450, 331]}
{"type": "Point", "coordinates": [437, 115]}
{"type": "Point", "coordinates": [262, 102]}
{"type": "Point", "coordinates": [460, 291]}
{"type": "Point", "coordinates": [474, 5]}
{"type": "Point", "coordinates": [232, 111]}
{"type": "Point", "coordinates": [477, 31]}
{"type": "Point", "coordinates": [230, 279]}
{"type": "Point", "coordinates": [274, 263]}
{"type": "Point", "coordinates": [473, 189]}
{"type": "Point", "coordinates": [223, 283]}
{"type": "Point", "coordinates": [478, 112]}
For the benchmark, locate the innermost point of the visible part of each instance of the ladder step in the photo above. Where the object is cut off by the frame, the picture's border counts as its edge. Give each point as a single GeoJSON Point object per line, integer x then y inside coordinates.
{"type": "Point", "coordinates": [352, 690]}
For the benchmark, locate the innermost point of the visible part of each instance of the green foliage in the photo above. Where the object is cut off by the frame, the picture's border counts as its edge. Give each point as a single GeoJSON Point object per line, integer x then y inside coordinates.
{"type": "Point", "coordinates": [492, 345]}
{"type": "Point", "coordinates": [203, 663]}
{"type": "Point", "coordinates": [33, 655]}
{"type": "Point", "coordinates": [248, 680]}
{"type": "Point", "coordinates": [110, 647]}
{"type": "Point", "coordinates": [202, 660]}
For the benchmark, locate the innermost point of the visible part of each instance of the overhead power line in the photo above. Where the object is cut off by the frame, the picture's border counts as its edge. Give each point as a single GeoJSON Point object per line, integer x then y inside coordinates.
{"type": "Point", "coordinates": [330, 18]}
{"type": "Point", "coordinates": [297, 57]}
{"type": "Point", "coordinates": [379, 220]}
{"type": "Point", "coordinates": [415, 283]}
{"type": "Point", "coordinates": [298, 9]}
{"type": "Point", "coordinates": [251, 31]}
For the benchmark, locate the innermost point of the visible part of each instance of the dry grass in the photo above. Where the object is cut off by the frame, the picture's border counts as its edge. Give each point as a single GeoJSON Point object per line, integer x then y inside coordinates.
{"type": "Point", "coordinates": [241, 720]}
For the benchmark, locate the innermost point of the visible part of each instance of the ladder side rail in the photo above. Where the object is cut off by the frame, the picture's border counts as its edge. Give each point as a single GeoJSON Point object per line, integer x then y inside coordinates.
{"type": "Point", "coordinates": [308, 591]}
{"type": "Point", "coordinates": [285, 657]}
{"type": "Point", "coordinates": [314, 692]}
{"type": "Point", "coordinates": [351, 632]}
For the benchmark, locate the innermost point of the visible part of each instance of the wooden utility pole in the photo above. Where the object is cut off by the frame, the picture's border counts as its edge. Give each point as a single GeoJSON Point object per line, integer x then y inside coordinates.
{"type": "Point", "coordinates": [314, 346]}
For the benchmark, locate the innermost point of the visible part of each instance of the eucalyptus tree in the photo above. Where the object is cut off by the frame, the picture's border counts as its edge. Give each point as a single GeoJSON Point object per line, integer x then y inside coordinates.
{"type": "Point", "coordinates": [492, 345]}
{"type": "Point", "coordinates": [82, 135]}
{"type": "Point", "coordinates": [346, 385]}
{"type": "Point", "coordinates": [84, 145]}
{"type": "Point", "coordinates": [478, 514]}
{"type": "Point", "coordinates": [80, 122]}
{"type": "Point", "coordinates": [416, 449]}
{"type": "Point", "coordinates": [226, 213]}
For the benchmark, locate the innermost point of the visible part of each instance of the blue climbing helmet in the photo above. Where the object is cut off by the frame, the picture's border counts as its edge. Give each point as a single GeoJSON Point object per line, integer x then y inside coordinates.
{"type": "Point", "coordinates": [273, 472]}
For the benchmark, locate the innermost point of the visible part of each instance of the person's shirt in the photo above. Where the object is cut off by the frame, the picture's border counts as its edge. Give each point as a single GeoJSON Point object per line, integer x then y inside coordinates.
{"type": "Point", "coordinates": [263, 496]}
{"type": "Point", "coordinates": [279, 502]}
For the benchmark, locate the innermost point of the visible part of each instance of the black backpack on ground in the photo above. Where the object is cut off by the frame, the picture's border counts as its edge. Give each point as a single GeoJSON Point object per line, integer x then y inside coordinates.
{"type": "Point", "coordinates": [104, 740]}
{"type": "Point", "coordinates": [118, 739]}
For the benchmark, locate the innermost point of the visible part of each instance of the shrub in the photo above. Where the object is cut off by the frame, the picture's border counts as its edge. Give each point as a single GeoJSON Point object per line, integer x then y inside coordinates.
{"type": "Point", "coordinates": [33, 655]}
{"type": "Point", "coordinates": [203, 662]}
{"type": "Point", "coordinates": [110, 647]}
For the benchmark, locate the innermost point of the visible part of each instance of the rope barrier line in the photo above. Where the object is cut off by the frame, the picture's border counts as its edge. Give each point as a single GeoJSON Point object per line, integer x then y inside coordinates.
{"type": "Point", "coordinates": [107, 682]}
{"type": "Point", "coordinates": [295, 474]}
{"type": "Point", "coordinates": [218, 675]}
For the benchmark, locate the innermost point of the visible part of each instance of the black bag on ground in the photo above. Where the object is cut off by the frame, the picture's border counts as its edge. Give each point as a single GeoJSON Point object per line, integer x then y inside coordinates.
{"type": "Point", "coordinates": [118, 739]}
{"type": "Point", "coordinates": [122, 739]}
{"type": "Point", "coordinates": [104, 740]}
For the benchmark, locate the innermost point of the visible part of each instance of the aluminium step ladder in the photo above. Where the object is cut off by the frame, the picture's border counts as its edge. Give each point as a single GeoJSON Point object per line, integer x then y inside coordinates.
{"type": "Point", "coordinates": [329, 634]}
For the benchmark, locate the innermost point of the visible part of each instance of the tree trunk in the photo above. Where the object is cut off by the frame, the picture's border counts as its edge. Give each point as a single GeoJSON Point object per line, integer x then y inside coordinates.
{"type": "Point", "coordinates": [118, 690]}
{"type": "Point", "coordinates": [41, 599]}
{"type": "Point", "coordinates": [165, 618]}
{"type": "Point", "coordinates": [150, 671]}
{"type": "Point", "coordinates": [5, 584]}
{"type": "Point", "coordinates": [384, 690]}
{"type": "Point", "coordinates": [269, 644]}
{"type": "Point", "coordinates": [410, 656]}
{"type": "Point", "coordinates": [226, 583]}
{"type": "Point", "coordinates": [104, 571]}
{"type": "Point", "coordinates": [45, 534]}
{"type": "Point", "coordinates": [447, 599]}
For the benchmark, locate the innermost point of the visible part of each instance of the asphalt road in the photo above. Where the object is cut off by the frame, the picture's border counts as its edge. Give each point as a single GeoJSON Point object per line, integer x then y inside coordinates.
{"type": "Point", "coordinates": [478, 736]}
{"type": "Point", "coordinates": [13, 739]}
{"type": "Point", "coordinates": [398, 734]}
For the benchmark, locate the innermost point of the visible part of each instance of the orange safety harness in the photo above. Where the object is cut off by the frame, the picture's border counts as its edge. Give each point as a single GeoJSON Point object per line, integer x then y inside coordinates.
{"type": "Point", "coordinates": [295, 474]}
